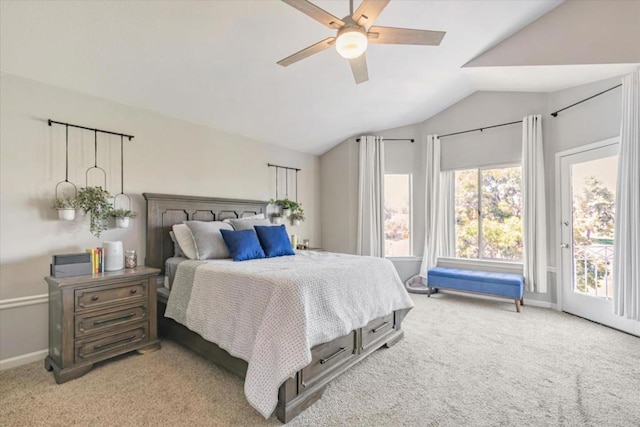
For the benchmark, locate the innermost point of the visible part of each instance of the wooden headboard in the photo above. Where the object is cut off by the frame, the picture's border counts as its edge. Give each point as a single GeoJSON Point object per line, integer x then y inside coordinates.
{"type": "Point", "coordinates": [165, 210]}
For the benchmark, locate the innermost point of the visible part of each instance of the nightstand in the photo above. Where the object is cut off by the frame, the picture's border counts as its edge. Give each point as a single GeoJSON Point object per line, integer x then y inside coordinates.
{"type": "Point", "coordinates": [94, 318]}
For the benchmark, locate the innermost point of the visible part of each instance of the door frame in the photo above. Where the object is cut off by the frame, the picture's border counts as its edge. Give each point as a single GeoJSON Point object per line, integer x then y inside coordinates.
{"type": "Point", "coordinates": [558, 210]}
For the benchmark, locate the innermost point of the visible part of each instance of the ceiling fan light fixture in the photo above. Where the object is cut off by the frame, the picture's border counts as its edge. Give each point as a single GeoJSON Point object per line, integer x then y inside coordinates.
{"type": "Point", "coordinates": [351, 42]}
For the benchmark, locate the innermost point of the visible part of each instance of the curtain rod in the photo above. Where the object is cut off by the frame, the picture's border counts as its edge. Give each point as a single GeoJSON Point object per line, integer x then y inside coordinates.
{"type": "Point", "coordinates": [91, 129]}
{"type": "Point", "coordinates": [480, 129]}
{"type": "Point", "coordinates": [555, 113]}
{"type": "Point", "coordinates": [283, 167]}
{"type": "Point", "coordinates": [391, 139]}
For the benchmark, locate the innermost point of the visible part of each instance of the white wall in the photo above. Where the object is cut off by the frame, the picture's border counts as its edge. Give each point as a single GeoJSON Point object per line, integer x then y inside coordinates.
{"type": "Point", "coordinates": [589, 122]}
{"type": "Point", "coordinates": [576, 32]}
{"type": "Point", "coordinates": [339, 189]}
{"type": "Point", "coordinates": [167, 155]}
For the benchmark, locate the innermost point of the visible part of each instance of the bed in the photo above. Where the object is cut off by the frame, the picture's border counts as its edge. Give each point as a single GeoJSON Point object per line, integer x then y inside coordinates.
{"type": "Point", "coordinates": [328, 359]}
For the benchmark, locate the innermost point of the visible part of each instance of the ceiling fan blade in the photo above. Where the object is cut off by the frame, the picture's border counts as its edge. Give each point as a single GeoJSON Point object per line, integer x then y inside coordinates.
{"type": "Point", "coordinates": [313, 11]}
{"type": "Point", "coordinates": [359, 68]}
{"type": "Point", "coordinates": [306, 52]}
{"type": "Point", "coordinates": [390, 35]}
{"type": "Point", "coordinates": [368, 11]}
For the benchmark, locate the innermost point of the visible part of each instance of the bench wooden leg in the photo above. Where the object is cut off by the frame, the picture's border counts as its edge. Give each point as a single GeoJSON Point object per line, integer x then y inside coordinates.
{"type": "Point", "coordinates": [518, 305]}
{"type": "Point", "coordinates": [522, 301]}
{"type": "Point", "coordinates": [428, 291]}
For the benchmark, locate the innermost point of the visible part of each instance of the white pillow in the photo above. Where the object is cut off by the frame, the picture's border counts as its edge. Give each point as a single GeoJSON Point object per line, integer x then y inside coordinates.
{"type": "Point", "coordinates": [185, 240]}
{"type": "Point", "coordinates": [208, 239]}
{"type": "Point", "coordinates": [259, 216]}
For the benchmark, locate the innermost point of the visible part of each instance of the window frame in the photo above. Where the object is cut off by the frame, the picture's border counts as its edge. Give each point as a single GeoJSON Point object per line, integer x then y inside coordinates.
{"type": "Point", "coordinates": [479, 209]}
{"type": "Point", "coordinates": [411, 253]}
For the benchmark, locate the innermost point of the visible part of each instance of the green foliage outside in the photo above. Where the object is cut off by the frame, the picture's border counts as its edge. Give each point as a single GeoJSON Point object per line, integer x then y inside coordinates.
{"type": "Point", "coordinates": [593, 224]}
{"type": "Point", "coordinates": [501, 210]}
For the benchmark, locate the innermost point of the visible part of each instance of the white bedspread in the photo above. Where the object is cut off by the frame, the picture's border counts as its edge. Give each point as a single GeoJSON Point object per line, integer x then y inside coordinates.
{"type": "Point", "coordinates": [271, 312]}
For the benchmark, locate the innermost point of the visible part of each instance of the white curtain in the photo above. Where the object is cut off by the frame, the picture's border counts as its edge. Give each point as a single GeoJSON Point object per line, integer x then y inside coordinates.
{"type": "Point", "coordinates": [626, 246]}
{"type": "Point", "coordinates": [534, 212]}
{"type": "Point", "coordinates": [370, 236]}
{"type": "Point", "coordinates": [439, 218]}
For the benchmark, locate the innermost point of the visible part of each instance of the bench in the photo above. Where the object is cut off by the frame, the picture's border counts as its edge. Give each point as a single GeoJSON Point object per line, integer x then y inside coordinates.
{"type": "Point", "coordinates": [503, 285]}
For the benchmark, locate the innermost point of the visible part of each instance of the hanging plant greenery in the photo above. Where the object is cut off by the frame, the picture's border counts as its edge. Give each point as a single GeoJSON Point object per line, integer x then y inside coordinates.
{"type": "Point", "coordinates": [122, 213]}
{"type": "Point", "coordinates": [297, 215]}
{"type": "Point", "coordinates": [95, 202]}
{"type": "Point", "coordinates": [285, 204]}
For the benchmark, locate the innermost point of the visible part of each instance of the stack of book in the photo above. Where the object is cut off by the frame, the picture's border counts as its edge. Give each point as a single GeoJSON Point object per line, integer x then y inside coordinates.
{"type": "Point", "coordinates": [97, 259]}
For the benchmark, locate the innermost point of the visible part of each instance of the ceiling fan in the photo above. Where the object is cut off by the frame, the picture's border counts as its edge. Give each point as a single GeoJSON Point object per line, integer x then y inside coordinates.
{"type": "Point", "coordinates": [355, 31]}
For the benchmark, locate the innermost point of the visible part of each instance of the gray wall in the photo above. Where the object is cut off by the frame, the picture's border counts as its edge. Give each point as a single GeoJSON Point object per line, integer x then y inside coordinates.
{"type": "Point", "coordinates": [590, 122]}
{"type": "Point", "coordinates": [167, 156]}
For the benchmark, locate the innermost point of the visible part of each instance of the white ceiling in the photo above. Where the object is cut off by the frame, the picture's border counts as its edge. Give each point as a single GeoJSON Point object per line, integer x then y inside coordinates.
{"type": "Point", "coordinates": [214, 62]}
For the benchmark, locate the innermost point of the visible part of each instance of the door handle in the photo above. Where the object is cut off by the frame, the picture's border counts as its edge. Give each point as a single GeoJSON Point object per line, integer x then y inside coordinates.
{"type": "Point", "coordinates": [564, 245]}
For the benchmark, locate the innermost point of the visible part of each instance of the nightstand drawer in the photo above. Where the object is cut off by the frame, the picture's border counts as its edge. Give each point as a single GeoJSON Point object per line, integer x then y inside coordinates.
{"type": "Point", "coordinates": [96, 322]}
{"type": "Point", "coordinates": [108, 295]}
{"type": "Point", "coordinates": [102, 345]}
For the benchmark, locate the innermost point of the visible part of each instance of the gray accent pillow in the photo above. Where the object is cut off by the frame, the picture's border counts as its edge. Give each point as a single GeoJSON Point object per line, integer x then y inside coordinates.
{"type": "Point", "coordinates": [177, 250]}
{"type": "Point", "coordinates": [208, 239]}
{"type": "Point", "coordinates": [248, 223]}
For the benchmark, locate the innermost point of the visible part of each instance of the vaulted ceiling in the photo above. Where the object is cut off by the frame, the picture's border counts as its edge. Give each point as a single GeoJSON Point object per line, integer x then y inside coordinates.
{"type": "Point", "coordinates": [214, 62]}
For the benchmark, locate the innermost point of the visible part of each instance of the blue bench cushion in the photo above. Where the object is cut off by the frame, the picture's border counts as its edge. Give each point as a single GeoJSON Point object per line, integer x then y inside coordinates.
{"type": "Point", "coordinates": [484, 282]}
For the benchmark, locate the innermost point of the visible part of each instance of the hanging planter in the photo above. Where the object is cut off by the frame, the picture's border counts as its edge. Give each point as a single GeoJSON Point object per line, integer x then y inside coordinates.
{"type": "Point", "coordinates": [123, 217]}
{"type": "Point", "coordinates": [67, 214]}
{"type": "Point", "coordinates": [286, 206]}
{"type": "Point", "coordinates": [297, 217]}
{"type": "Point", "coordinates": [65, 204]}
{"type": "Point", "coordinates": [95, 202]}
{"type": "Point", "coordinates": [276, 218]}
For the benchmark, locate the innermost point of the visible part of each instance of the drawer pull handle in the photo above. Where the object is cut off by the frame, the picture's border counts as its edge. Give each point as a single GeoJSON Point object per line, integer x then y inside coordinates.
{"type": "Point", "coordinates": [384, 325]}
{"type": "Point", "coordinates": [323, 361]}
{"type": "Point", "coordinates": [115, 319]}
{"type": "Point", "coordinates": [94, 298]}
{"type": "Point", "coordinates": [133, 291]}
{"type": "Point", "coordinates": [101, 346]}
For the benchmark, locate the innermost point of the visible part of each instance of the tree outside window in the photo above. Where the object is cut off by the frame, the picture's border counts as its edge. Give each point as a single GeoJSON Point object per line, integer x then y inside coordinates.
{"type": "Point", "coordinates": [488, 205]}
{"type": "Point", "coordinates": [397, 215]}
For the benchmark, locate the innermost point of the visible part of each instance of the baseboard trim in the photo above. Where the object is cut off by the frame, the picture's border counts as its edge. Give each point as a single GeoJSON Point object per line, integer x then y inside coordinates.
{"type": "Point", "coordinates": [24, 301]}
{"type": "Point", "coordinates": [531, 302]}
{"type": "Point", "coordinates": [14, 362]}
{"type": "Point", "coordinates": [542, 304]}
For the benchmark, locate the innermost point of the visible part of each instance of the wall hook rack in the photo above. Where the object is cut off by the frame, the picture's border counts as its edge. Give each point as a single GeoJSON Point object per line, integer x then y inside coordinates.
{"type": "Point", "coordinates": [286, 169]}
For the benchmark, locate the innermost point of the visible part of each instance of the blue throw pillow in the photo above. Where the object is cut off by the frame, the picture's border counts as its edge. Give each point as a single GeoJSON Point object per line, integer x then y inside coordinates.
{"type": "Point", "coordinates": [274, 240]}
{"type": "Point", "coordinates": [243, 245]}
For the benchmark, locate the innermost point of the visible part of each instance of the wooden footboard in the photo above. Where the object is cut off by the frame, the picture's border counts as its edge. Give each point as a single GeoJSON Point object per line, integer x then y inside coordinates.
{"type": "Point", "coordinates": [329, 360]}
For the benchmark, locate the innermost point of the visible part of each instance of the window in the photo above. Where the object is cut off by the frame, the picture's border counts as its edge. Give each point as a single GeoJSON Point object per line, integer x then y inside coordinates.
{"type": "Point", "coordinates": [397, 215]}
{"type": "Point", "coordinates": [488, 207]}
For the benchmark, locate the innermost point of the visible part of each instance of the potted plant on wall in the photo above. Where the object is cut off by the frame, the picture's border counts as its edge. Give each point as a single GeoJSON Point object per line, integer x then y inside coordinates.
{"type": "Point", "coordinates": [297, 216]}
{"type": "Point", "coordinates": [95, 202]}
{"type": "Point", "coordinates": [123, 217]}
{"type": "Point", "coordinates": [286, 206]}
{"type": "Point", "coordinates": [276, 218]}
{"type": "Point", "coordinates": [66, 207]}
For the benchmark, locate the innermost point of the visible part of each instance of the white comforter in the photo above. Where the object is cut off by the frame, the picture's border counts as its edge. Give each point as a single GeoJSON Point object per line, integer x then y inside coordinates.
{"type": "Point", "coordinates": [271, 312]}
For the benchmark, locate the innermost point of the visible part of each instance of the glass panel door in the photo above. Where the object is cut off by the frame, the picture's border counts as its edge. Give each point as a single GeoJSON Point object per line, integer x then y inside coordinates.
{"type": "Point", "coordinates": [587, 195]}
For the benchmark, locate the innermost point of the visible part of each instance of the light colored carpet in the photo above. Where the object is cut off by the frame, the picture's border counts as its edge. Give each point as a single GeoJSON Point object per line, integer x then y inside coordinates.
{"type": "Point", "coordinates": [463, 361]}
